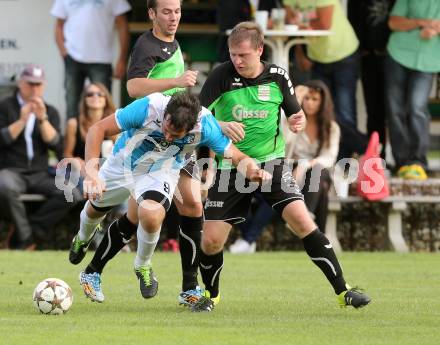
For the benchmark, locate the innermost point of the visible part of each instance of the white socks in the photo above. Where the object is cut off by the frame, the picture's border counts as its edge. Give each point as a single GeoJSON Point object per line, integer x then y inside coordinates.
{"type": "Point", "coordinates": [146, 245]}
{"type": "Point", "coordinates": [87, 225]}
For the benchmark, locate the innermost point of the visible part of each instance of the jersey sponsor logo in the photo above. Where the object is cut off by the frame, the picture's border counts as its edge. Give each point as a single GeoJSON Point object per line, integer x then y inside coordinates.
{"type": "Point", "coordinates": [237, 82]}
{"type": "Point", "coordinates": [161, 145]}
{"type": "Point", "coordinates": [166, 50]}
{"type": "Point", "coordinates": [213, 203]}
{"type": "Point", "coordinates": [240, 112]}
{"type": "Point", "coordinates": [263, 92]}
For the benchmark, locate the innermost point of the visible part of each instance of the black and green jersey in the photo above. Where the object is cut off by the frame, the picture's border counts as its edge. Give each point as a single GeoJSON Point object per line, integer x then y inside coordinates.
{"type": "Point", "coordinates": [257, 103]}
{"type": "Point", "coordinates": [156, 59]}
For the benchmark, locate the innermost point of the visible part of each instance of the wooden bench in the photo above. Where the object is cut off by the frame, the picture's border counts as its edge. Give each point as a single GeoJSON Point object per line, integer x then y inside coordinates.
{"type": "Point", "coordinates": [32, 197]}
{"type": "Point", "coordinates": [397, 205]}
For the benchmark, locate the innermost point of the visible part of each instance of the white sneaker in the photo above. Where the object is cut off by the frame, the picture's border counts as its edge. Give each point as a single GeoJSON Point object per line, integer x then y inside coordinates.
{"type": "Point", "coordinates": [241, 246]}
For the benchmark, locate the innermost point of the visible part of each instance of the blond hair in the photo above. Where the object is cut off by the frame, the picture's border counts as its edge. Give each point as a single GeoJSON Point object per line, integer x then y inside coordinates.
{"type": "Point", "coordinates": [247, 31]}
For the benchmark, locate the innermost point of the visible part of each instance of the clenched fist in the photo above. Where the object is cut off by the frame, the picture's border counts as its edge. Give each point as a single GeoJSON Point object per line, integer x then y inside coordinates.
{"type": "Point", "coordinates": [187, 79]}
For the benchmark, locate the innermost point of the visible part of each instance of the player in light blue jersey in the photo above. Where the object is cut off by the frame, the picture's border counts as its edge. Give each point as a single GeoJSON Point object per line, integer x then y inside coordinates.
{"type": "Point", "coordinates": [157, 132]}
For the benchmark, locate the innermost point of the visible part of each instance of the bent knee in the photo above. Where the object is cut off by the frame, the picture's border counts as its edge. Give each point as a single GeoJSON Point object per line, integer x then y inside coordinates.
{"type": "Point", "coordinates": [9, 193]}
{"type": "Point", "coordinates": [212, 245]}
{"type": "Point", "coordinates": [301, 232]}
{"type": "Point", "coordinates": [151, 215]}
{"type": "Point", "coordinates": [150, 224]}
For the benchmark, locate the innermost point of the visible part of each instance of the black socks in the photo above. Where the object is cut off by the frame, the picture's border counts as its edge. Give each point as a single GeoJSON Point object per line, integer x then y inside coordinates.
{"type": "Point", "coordinates": [189, 242]}
{"type": "Point", "coordinates": [210, 268]}
{"type": "Point", "coordinates": [117, 236]}
{"type": "Point", "coordinates": [321, 252]}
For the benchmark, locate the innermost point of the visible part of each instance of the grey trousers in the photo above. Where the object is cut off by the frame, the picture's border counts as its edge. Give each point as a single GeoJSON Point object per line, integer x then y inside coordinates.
{"type": "Point", "coordinates": [43, 220]}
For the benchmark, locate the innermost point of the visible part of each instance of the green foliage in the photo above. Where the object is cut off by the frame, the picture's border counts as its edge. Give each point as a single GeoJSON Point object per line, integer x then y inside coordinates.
{"type": "Point", "coordinates": [267, 298]}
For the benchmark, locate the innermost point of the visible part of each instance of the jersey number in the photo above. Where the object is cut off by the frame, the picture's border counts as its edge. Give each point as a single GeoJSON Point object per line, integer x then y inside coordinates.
{"type": "Point", "coordinates": [166, 187]}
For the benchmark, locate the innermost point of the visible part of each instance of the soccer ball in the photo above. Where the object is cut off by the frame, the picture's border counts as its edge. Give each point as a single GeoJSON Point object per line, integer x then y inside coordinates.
{"type": "Point", "coordinates": [53, 296]}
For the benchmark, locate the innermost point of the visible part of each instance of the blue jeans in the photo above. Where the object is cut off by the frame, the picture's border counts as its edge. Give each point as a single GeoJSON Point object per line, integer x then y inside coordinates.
{"type": "Point", "coordinates": [75, 76]}
{"type": "Point", "coordinates": [406, 100]}
{"type": "Point", "coordinates": [341, 78]}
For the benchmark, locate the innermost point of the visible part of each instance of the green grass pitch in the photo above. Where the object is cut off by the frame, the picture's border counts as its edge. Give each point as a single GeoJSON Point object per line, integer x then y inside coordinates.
{"type": "Point", "coordinates": [267, 298]}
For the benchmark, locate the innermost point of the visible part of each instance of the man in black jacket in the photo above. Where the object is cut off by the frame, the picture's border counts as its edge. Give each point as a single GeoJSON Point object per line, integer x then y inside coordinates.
{"type": "Point", "coordinates": [230, 13]}
{"type": "Point", "coordinates": [28, 129]}
{"type": "Point", "coordinates": [369, 19]}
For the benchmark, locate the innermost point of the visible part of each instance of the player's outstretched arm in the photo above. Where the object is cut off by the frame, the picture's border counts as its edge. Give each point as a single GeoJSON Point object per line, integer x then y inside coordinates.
{"type": "Point", "coordinates": [107, 127]}
{"type": "Point", "coordinates": [246, 165]}
{"type": "Point", "coordinates": [93, 187]}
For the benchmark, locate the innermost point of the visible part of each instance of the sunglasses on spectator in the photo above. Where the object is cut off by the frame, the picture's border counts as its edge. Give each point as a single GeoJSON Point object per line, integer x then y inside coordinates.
{"type": "Point", "coordinates": [97, 93]}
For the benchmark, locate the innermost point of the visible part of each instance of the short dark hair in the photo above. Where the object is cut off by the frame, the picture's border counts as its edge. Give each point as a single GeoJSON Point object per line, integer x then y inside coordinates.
{"type": "Point", "coordinates": [153, 4]}
{"type": "Point", "coordinates": [183, 110]}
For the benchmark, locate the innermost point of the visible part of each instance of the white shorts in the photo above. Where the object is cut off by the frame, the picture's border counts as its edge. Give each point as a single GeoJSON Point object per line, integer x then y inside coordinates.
{"type": "Point", "coordinates": [121, 184]}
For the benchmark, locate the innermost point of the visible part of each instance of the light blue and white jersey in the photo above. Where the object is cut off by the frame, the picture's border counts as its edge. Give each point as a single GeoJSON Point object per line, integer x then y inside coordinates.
{"type": "Point", "coordinates": [142, 145]}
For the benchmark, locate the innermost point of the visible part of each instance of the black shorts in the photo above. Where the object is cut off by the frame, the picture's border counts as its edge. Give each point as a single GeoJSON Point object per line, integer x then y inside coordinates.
{"type": "Point", "coordinates": [229, 198]}
{"type": "Point", "coordinates": [191, 168]}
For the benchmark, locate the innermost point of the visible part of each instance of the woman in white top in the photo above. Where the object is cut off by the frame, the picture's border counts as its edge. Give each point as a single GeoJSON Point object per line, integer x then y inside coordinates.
{"type": "Point", "coordinates": [315, 150]}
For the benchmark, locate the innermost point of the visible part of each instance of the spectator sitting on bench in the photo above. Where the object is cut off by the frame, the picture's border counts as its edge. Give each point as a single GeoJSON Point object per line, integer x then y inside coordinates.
{"type": "Point", "coordinates": [95, 104]}
{"type": "Point", "coordinates": [316, 149]}
{"type": "Point", "coordinates": [28, 129]}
